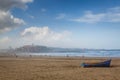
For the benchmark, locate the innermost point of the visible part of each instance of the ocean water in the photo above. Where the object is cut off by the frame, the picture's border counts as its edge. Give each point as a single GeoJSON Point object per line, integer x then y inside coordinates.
{"type": "Point", "coordinates": [85, 54]}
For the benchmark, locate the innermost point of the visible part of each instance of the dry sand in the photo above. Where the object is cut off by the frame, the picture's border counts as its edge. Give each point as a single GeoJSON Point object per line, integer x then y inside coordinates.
{"type": "Point", "coordinates": [55, 68]}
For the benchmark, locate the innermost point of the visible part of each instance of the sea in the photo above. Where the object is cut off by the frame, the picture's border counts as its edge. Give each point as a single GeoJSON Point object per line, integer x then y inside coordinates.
{"type": "Point", "coordinates": [75, 54]}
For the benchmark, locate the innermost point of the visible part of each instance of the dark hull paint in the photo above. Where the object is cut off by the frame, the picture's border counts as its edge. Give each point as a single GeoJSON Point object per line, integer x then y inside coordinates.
{"type": "Point", "coordinates": [100, 64]}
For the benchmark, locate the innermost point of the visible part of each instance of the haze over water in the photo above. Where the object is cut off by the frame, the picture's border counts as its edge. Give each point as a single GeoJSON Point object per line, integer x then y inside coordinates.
{"type": "Point", "coordinates": [85, 54]}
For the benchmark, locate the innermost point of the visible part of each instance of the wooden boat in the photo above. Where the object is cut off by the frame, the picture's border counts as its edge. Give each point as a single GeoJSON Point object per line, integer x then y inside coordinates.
{"type": "Point", "coordinates": [100, 64]}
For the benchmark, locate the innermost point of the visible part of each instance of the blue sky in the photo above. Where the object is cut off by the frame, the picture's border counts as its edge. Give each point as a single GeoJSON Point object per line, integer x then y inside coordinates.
{"type": "Point", "coordinates": [60, 23]}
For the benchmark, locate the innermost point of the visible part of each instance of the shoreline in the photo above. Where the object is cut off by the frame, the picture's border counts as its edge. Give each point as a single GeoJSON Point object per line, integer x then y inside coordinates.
{"type": "Point", "coordinates": [59, 57]}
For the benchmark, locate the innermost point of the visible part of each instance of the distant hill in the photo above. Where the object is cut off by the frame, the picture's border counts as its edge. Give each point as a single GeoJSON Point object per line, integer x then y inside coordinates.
{"type": "Point", "coordinates": [39, 49]}
{"type": "Point", "coordinates": [33, 49]}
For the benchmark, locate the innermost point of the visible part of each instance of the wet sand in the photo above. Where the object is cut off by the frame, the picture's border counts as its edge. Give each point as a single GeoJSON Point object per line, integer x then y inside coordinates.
{"type": "Point", "coordinates": [56, 68]}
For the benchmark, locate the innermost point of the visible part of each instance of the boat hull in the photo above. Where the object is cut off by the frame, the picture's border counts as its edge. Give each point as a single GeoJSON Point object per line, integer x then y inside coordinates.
{"type": "Point", "coordinates": [100, 64]}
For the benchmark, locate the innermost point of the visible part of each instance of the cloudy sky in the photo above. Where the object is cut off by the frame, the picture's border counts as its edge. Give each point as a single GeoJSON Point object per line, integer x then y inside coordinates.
{"type": "Point", "coordinates": [60, 23]}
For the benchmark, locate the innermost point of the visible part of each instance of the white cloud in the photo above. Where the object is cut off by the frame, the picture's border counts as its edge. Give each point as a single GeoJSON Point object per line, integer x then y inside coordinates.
{"type": "Point", "coordinates": [32, 17]}
{"type": "Point", "coordinates": [44, 35]}
{"type": "Point", "coordinates": [8, 4]}
{"type": "Point", "coordinates": [5, 40]}
{"type": "Point", "coordinates": [111, 15]}
{"type": "Point", "coordinates": [43, 10]}
{"type": "Point", "coordinates": [60, 16]}
{"type": "Point", "coordinates": [114, 9]}
{"type": "Point", "coordinates": [26, 1]}
{"type": "Point", "coordinates": [7, 20]}
{"type": "Point", "coordinates": [89, 17]}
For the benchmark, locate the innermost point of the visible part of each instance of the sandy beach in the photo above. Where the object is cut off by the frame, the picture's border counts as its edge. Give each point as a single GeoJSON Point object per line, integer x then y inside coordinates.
{"type": "Point", "coordinates": [56, 68]}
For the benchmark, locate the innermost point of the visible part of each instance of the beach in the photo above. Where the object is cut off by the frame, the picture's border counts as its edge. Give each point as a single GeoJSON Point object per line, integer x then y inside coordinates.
{"type": "Point", "coordinates": [56, 68]}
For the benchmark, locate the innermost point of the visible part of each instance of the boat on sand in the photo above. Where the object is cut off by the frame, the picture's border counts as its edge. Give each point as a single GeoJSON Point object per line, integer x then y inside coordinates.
{"type": "Point", "coordinates": [99, 64]}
